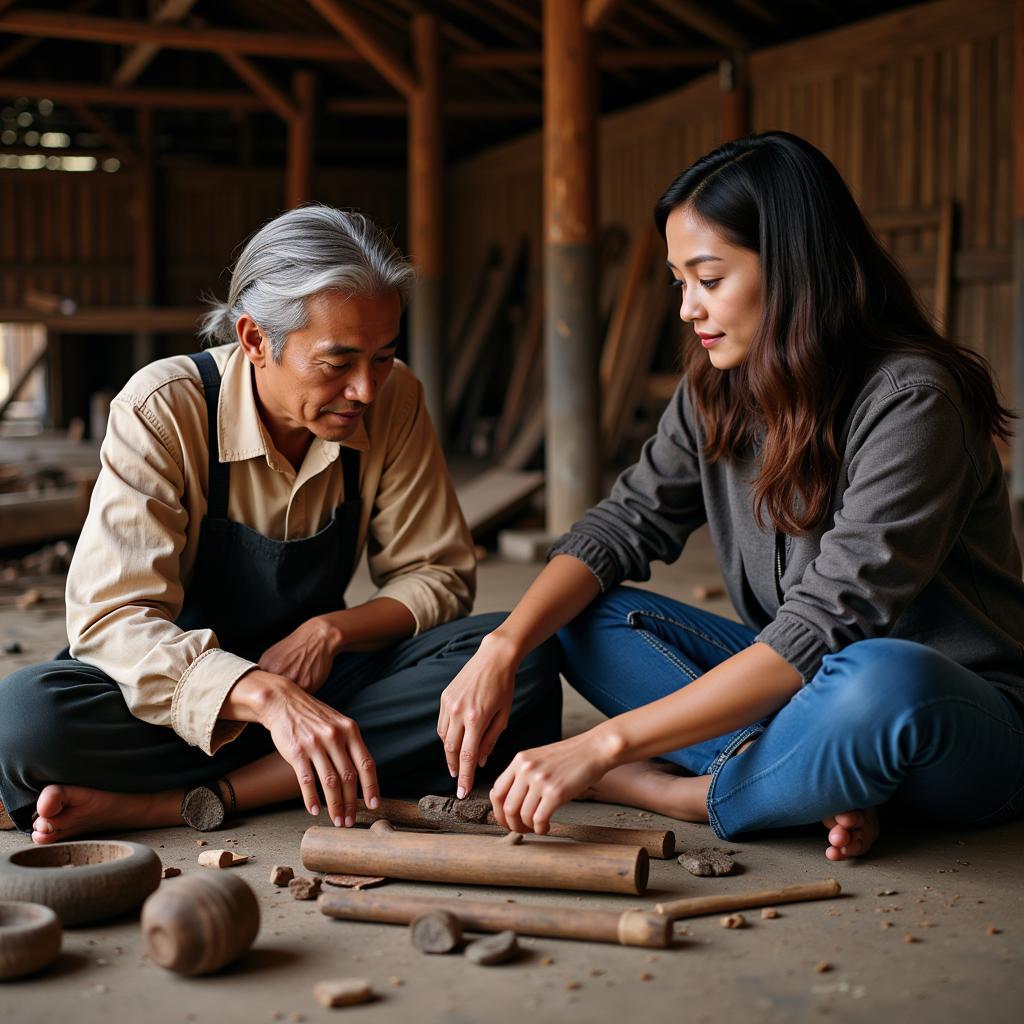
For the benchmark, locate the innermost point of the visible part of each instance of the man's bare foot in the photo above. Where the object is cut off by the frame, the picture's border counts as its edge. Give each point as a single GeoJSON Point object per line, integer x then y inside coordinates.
{"type": "Point", "coordinates": [851, 833]}
{"type": "Point", "coordinates": [66, 811]}
{"type": "Point", "coordinates": [654, 786]}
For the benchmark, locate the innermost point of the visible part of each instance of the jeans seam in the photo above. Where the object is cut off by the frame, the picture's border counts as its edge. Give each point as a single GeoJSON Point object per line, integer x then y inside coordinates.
{"type": "Point", "coordinates": [680, 625]}
{"type": "Point", "coordinates": [654, 642]}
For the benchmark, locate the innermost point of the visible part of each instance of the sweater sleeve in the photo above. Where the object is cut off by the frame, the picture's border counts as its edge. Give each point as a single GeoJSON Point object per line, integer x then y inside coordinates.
{"type": "Point", "coordinates": [912, 481]}
{"type": "Point", "coordinates": [653, 508]}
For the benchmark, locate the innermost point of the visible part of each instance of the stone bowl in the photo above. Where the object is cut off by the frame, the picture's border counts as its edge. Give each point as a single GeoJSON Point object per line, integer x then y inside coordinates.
{"type": "Point", "coordinates": [30, 938]}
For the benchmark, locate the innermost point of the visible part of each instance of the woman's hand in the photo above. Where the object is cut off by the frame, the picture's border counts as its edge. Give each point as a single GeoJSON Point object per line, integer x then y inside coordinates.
{"type": "Point", "coordinates": [539, 781]}
{"type": "Point", "coordinates": [318, 742]}
{"type": "Point", "coordinates": [475, 708]}
{"type": "Point", "coordinates": [304, 656]}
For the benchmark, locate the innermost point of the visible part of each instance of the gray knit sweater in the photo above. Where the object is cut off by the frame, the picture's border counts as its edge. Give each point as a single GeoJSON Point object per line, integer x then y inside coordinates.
{"type": "Point", "coordinates": [918, 544]}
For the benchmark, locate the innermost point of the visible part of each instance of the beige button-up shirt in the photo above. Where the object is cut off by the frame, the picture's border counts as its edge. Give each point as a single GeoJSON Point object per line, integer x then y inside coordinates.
{"type": "Point", "coordinates": [138, 547]}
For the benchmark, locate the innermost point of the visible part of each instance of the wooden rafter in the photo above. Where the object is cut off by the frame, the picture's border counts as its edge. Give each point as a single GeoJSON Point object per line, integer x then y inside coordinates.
{"type": "Point", "coordinates": [373, 107]}
{"type": "Point", "coordinates": [22, 46]}
{"type": "Point", "coordinates": [260, 84]}
{"type": "Point", "coordinates": [388, 64]}
{"type": "Point", "coordinates": [597, 13]}
{"type": "Point", "coordinates": [154, 99]}
{"type": "Point", "coordinates": [698, 16]}
{"type": "Point", "coordinates": [640, 58]}
{"type": "Point", "coordinates": [46, 25]}
{"type": "Point", "coordinates": [135, 61]}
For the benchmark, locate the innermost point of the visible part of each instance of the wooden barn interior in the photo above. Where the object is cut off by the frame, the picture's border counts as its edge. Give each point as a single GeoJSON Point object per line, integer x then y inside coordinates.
{"type": "Point", "coordinates": [514, 149]}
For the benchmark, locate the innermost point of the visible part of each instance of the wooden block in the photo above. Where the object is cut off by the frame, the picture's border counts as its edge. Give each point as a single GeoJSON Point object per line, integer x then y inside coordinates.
{"type": "Point", "coordinates": [436, 932]}
{"type": "Point", "coordinates": [342, 992]}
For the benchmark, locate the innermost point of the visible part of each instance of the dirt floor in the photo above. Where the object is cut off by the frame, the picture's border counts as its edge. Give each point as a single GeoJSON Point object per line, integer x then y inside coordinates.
{"type": "Point", "coordinates": [928, 928]}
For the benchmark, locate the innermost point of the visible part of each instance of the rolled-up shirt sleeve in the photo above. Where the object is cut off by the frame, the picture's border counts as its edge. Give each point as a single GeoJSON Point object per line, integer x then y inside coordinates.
{"type": "Point", "coordinates": [653, 508]}
{"type": "Point", "coordinates": [124, 588]}
{"type": "Point", "coordinates": [898, 522]}
{"type": "Point", "coordinates": [419, 549]}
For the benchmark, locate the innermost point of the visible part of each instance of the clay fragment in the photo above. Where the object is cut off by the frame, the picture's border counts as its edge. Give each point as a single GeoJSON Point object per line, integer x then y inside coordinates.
{"type": "Point", "coordinates": [13, 647]}
{"type": "Point", "coordinates": [238, 858]}
{"type": "Point", "coordinates": [355, 881]}
{"type": "Point", "coordinates": [216, 859]}
{"type": "Point", "coordinates": [707, 861]}
{"type": "Point", "coordinates": [169, 872]}
{"type": "Point", "coordinates": [733, 921]}
{"type": "Point", "coordinates": [769, 913]}
{"type": "Point", "coordinates": [993, 930]}
{"type": "Point", "coordinates": [495, 949]}
{"type": "Point", "coordinates": [646, 976]}
{"type": "Point", "coordinates": [281, 874]}
{"type": "Point", "coordinates": [436, 932]}
{"type": "Point", "coordinates": [303, 888]}
{"type": "Point", "coordinates": [342, 992]}
{"type": "Point", "coordinates": [442, 810]}
{"type": "Point", "coordinates": [823, 967]}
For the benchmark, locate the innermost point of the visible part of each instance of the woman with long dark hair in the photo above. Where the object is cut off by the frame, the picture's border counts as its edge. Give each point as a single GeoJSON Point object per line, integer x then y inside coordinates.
{"type": "Point", "coordinates": [842, 453]}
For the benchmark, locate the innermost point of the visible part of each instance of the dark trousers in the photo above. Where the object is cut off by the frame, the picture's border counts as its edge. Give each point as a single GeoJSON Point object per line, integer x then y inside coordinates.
{"type": "Point", "coordinates": [67, 722]}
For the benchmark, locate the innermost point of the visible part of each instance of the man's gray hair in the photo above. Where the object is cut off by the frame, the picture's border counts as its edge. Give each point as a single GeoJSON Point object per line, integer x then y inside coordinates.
{"type": "Point", "coordinates": [301, 253]}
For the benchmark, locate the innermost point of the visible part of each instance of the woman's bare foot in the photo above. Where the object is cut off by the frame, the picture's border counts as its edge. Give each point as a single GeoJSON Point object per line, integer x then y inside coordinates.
{"type": "Point", "coordinates": [66, 811]}
{"type": "Point", "coordinates": [654, 786]}
{"type": "Point", "coordinates": [851, 833]}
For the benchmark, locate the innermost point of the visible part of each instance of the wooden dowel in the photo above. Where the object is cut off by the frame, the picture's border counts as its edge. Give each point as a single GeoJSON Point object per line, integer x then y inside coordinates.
{"type": "Point", "coordinates": [697, 906]}
{"type": "Point", "coordinates": [475, 860]}
{"type": "Point", "coordinates": [631, 928]}
{"type": "Point", "coordinates": [656, 842]}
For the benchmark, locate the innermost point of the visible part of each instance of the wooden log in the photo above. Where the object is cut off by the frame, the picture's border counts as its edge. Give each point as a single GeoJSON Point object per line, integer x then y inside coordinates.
{"type": "Point", "coordinates": [698, 906]}
{"type": "Point", "coordinates": [475, 860]}
{"type": "Point", "coordinates": [629, 928]}
{"type": "Point", "coordinates": [301, 140]}
{"type": "Point", "coordinates": [656, 842]}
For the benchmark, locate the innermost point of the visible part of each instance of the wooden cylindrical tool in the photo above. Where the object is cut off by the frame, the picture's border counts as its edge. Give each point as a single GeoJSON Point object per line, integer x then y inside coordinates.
{"type": "Point", "coordinates": [697, 906]}
{"type": "Point", "coordinates": [627, 928]}
{"type": "Point", "coordinates": [657, 843]}
{"type": "Point", "coordinates": [475, 860]}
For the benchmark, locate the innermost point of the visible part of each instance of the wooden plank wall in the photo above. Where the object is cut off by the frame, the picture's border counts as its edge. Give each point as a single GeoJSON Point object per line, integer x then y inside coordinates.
{"type": "Point", "coordinates": [912, 107]}
{"type": "Point", "coordinates": [71, 233]}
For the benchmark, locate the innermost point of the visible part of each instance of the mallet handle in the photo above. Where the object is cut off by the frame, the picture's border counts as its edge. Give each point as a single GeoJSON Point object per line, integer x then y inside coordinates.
{"type": "Point", "coordinates": [696, 906]}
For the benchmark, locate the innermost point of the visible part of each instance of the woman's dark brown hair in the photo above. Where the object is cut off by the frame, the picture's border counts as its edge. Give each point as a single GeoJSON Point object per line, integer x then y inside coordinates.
{"type": "Point", "coordinates": [834, 303]}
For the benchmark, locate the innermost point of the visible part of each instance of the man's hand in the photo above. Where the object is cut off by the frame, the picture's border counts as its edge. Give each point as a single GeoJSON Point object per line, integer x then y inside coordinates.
{"type": "Point", "coordinates": [475, 708]}
{"type": "Point", "coordinates": [306, 655]}
{"type": "Point", "coordinates": [316, 740]}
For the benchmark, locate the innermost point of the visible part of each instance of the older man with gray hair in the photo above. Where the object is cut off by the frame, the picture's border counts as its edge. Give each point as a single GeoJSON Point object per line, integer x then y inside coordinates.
{"type": "Point", "coordinates": [212, 664]}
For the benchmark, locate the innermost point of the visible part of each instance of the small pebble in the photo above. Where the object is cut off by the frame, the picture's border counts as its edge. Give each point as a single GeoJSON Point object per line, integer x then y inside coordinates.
{"type": "Point", "coordinates": [547, 961]}
{"type": "Point", "coordinates": [646, 976]}
{"type": "Point", "coordinates": [571, 985]}
{"type": "Point", "coordinates": [886, 924]}
{"type": "Point", "coordinates": [495, 949]}
{"type": "Point", "coordinates": [201, 842]}
{"type": "Point", "coordinates": [281, 874]}
{"type": "Point", "coordinates": [303, 888]}
{"type": "Point", "coordinates": [169, 872]}
{"type": "Point", "coordinates": [733, 921]}
{"type": "Point", "coordinates": [436, 932]}
{"type": "Point", "coordinates": [910, 938]}
{"type": "Point", "coordinates": [708, 861]}
{"type": "Point", "coordinates": [12, 648]}
{"type": "Point", "coordinates": [993, 930]}
{"type": "Point", "coordinates": [769, 913]}
{"type": "Point", "coordinates": [395, 982]}
{"type": "Point", "coordinates": [343, 992]}
{"type": "Point", "coordinates": [823, 967]}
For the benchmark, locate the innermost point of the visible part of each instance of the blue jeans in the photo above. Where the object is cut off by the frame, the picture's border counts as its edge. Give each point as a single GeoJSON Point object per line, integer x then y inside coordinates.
{"type": "Point", "coordinates": [881, 719]}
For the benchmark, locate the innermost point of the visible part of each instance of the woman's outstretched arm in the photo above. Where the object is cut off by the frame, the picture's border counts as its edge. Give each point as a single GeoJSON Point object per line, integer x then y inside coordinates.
{"type": "Point", "coordinates": [739, 691]}
{"type": "Point", "coordinates": [475, 707]}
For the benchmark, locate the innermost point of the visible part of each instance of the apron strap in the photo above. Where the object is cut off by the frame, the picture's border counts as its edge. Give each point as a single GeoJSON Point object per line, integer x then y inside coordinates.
{"type": "Point", "coordinates": [220, 472]}
{"type": "Point", "coordinates": [350, 472]}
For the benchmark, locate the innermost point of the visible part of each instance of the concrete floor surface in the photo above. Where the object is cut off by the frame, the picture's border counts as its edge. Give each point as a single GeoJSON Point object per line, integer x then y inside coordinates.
{"type": "Point", "coordinates": [942, 944]}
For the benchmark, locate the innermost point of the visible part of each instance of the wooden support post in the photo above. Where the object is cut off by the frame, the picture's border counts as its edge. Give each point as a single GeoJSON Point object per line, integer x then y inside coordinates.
{"type": "Point", "coordinates": [735, 107]}
{"type": "Point", "coordinates": [573, 450]}
{"type": "Point", "coordinates": [143, 343]}
{"type": "Point", "coordinates": [1017, 482]}
{"type": "Point", "coordinates": [301, 128]}
{"type": "Point", "coordinates": [426, 236]}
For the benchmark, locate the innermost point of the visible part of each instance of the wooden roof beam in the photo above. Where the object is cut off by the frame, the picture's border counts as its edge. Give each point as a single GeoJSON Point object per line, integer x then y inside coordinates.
{"type": "Point", "coordinates": [699, 17]}
{"type": "Point", "coordinates": [135, 62]}
{"type": "Point", "coordinates": [151, 99]}
{"type": "Point", "coordinates": [47, 25]}
{"type": "Point", "coordinates": [21, 46]}
{"type": "Point", "coordinates": [597, 13]}
{"type": "Point", "coordinates": [123, 150]}
{"type": "Point", "coordinates": [388, 64]}
{"type": "Point", "coordinates": [489, 60]}
{"type": "Point", "coordinates": [260, 84]}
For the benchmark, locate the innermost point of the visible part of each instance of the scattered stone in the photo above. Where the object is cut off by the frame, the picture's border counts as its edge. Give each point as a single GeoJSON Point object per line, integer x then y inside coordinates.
{"type": "Point", "coordinates": [495, 949]}
{"type": "Point", "coordinates": [733, 921]}
{"type": "Point", "coordinates": [596, 972]}
{"type": "Point", "coordinates": [216, 859]}
{"type": "Point", "coordinates": [169, 872]}
{"type": "Point", "coordinates": [436, 932]}
{"type": "Point", "coordinates": [707, 861]}
{"type": "Point", "coordinates": [646, 976]}
{"type": "Point", "coordinates": [296, 1016]}
{"type": "Point", "coordinates": [395, 982]}
{"type": "Point", "coordinates": [910, 938]}
{"type": "Point", "coordinates": [13, 647]}
{"type": "Point", "coordinates": [886, 924]}
{"type": "Point", "coordinates": [823, 967]}
{"type": "Point", "coordinates": [769, 913]}
{"type": "Point", "coordinates": [571, 986]}
{"type": "Point", "coordinates": [993, 930]}
{"type": "Point", "coordinates": [547, 961]}
{"type": "Point", "coordinates": [303, 888]}
{"type": "Point", "coordinates": [355, 881]}
{"type": "Point", "coordinates": [281, 874]}
{"type": "Point", "coordinates": [708, 591]}
{"type": "Point", "coordinates": [343, 992]}
{"type": "Point", "coordinates": [887, 892]}
{"type": "Point", "coordinates": [202, 842]}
